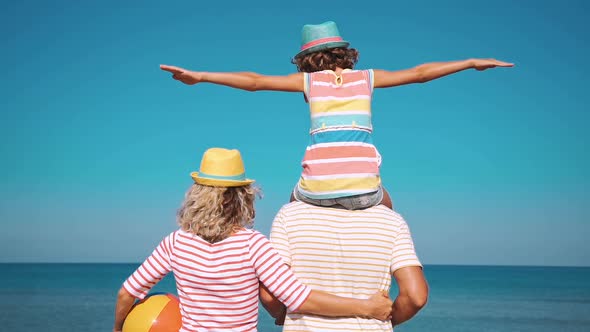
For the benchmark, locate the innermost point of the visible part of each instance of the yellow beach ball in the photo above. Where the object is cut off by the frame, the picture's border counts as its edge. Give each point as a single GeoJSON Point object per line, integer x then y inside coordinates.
{"type": "Point", "coordinates": [155, 313]}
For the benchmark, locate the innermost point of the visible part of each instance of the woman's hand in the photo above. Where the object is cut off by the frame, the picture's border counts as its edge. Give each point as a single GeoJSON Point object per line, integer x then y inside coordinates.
{"type": "Point", "coordinates": [183, 75]}
{"type": "Point", "coordinates": [483, 64]}
{"type": "Point", "coordinates": [379, 306]}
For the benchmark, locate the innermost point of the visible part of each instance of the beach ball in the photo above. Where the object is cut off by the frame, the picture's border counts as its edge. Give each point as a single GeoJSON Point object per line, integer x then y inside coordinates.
{"type": "Point", "coordinates": [155, 313]}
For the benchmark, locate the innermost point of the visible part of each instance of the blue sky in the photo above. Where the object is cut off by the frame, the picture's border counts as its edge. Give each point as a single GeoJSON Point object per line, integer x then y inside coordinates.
{"type": "Point", "coordinates": [97, 143]}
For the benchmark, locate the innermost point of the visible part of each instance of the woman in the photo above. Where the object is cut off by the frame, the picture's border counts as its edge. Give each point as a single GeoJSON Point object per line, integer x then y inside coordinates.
{"type": "Point", "coordinates": [219, 262]}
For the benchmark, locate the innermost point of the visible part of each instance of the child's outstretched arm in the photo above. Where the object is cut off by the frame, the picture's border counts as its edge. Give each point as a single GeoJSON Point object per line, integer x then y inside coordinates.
{"type": "Point", "coordinates": [244, 80]}
{"type": "Point", "coordinates": [431, 71]}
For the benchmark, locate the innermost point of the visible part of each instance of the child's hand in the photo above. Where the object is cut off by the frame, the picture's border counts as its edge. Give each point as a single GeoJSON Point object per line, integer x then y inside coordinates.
{"type": "Point", "coordinates": [483, 64]}
{"type": "Point", "coordinates": [183, 75]}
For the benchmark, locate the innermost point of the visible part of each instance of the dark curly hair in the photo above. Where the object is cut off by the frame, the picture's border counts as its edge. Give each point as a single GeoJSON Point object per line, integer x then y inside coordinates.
{"type": "Point", "coordinates": [344, 58]}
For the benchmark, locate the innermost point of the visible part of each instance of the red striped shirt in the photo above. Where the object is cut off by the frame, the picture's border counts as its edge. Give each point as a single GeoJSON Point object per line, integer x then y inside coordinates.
{"type": "Point", "coordinates": [217, 283]}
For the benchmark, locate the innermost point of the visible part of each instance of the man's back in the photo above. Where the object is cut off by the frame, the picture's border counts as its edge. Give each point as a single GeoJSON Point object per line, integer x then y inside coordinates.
{"type": "Point", "coordinates": [348, 253]}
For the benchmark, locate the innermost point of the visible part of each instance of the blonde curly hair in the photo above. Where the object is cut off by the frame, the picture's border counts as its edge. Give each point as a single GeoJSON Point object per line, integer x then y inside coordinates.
{"type": "Point", "coordinates": [214, 213]}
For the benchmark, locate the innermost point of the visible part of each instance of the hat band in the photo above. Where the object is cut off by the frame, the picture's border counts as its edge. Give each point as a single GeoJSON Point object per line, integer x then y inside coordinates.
{"type": "Point", "coordinates": [320, 41]}
{"type": "Point", "coordinates": [239, 177]}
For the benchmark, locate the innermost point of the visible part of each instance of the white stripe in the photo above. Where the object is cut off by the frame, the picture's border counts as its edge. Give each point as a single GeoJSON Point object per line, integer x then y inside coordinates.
{"type": "Point", "coordinates": [209, 277]}
{"type": "Point", "coordinates": [338, 144]}
{"type": "Point", "coordinates": [339, 160]}
{"type": "Point", "coordinates": [369, 130]}
{"type": "Point", "coordinates": [304, 323]}
{"type": "Point", "coordinates": [245, 298]}
{"type": "Point", "coordinates": [220, 313]}
{"type": "Point", "coordinates": [339, 176]}
{"type": "Point", "coordinates": [154, 268]}
{"type": "Point", "coordinates": [345, 85]}
{"type": "Point", "coordinates": [339, 127]}
{"type": "Point", "coordinates": [135, 286]}
{"type": "Point", "coordinates": [334, 98]}
{"type": "Point", "coordinates": [355, 112]}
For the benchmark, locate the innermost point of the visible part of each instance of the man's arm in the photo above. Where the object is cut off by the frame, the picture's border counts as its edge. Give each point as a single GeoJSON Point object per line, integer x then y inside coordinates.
{"type": "Point", "coordinates": [431, 71]}
{"type": "Point", "coordinates": [242, 80]}
{"type": "Point", "coordinates": [413, 293]}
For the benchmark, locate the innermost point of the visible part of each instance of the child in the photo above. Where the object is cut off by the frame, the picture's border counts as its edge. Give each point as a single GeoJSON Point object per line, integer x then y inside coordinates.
{"type": "Point", "coordinates": [341, 164]}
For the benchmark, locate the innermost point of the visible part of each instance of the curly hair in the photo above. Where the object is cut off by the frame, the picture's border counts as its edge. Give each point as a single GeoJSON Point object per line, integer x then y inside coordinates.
{"type": "Point", "coordinates": [214, 213]}
{"type": "Point", "coordinates": [327, 59]}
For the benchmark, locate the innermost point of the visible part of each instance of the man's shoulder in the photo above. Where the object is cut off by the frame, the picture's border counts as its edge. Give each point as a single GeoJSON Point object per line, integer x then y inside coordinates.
{"type": "Point", "coordinates": [294, 209]}
{"type": "Point", "coordinates": [382, 212]}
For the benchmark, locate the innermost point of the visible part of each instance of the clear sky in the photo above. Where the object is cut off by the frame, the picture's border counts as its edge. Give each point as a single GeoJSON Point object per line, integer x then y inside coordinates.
{"type": "Point", "coordinates": [96, 143]}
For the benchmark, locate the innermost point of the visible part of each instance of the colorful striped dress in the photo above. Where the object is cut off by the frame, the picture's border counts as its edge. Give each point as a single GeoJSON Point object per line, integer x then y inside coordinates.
{"type": "Point", "coordinates": [340, 159]}
{"type": "Point", "coordinates": [218, 283]}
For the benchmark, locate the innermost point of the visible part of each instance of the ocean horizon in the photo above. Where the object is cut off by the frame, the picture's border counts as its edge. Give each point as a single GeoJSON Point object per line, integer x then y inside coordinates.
{"type": "Point", "coordinates": [438, 264]}
{"type": "Point", "coordinates": [81, 297]}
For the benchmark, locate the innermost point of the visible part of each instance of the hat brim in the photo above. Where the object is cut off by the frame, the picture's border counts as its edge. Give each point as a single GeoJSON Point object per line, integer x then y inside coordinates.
{"type": "Point", "coordinates": [219, 182]}
{"type": "Point", "coordinates": [322, 47]}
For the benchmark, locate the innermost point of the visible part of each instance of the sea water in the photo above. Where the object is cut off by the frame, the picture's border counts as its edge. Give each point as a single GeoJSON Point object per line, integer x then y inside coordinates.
{"type": "Point", "coordinates": [81, 297]}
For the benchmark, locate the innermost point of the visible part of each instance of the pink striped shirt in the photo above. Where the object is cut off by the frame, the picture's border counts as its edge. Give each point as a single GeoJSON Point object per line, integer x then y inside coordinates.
{"type": "Point", "coordinates": [218, 283]}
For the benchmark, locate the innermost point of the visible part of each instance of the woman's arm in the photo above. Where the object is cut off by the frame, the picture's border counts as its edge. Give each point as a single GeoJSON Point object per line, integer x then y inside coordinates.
{"type": "Point", "coordinates": [431, 71]}
{"type": "Point", "coordinates": [378, 306]}
{"type": "Point", "coordinates": [272, 305]}
{"type": "Point", "coordinates": [137, 286]}
{"type": "Point", "coordinates": [124, 303]}
{"type": "Point", "coordinates": [242, 80]}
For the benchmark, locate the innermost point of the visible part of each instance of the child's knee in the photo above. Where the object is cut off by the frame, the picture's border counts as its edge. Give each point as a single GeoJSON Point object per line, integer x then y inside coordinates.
{"type": "Point", "coordinates": [387, 199]}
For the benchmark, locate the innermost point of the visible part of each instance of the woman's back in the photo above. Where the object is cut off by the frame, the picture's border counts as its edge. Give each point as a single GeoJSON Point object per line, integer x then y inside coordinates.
{"type": "Point", "coordinates": [217, 283]}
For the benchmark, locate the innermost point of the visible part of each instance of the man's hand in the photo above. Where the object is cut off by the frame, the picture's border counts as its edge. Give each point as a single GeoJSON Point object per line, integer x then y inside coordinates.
{"type": "Point", "coordinates": [380, 306]}
{"type": "Point", "coordinates": [183, 75]}
{"type": "Point", "coordinates": [483, 64]}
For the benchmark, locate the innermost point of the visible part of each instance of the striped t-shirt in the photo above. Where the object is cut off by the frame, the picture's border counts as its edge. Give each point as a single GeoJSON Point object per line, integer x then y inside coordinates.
{"type": "Point", "coordinates": [340, 159]}
{"type": "Point", "coordinates": [350, 253]}
{"type": "Point", "coordinates": [218, 283]}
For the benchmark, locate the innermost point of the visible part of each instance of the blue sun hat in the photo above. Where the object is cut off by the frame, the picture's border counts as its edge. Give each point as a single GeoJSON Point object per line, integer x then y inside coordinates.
{"type": "Point", "coordinates": [318, 37]}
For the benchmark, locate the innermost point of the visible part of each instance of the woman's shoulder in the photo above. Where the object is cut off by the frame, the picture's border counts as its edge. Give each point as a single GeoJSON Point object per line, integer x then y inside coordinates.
{"type": "Point", "coordinates": [253, 235]}
{"type": "Point", "coordinates": [251, 232]}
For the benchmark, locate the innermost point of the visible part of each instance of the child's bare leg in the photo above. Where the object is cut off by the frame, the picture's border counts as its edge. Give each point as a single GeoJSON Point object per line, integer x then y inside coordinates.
{"type": "Point", "coordinates": [387, 199]}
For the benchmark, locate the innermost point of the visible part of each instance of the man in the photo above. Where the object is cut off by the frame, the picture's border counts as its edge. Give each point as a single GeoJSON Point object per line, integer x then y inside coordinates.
{"type": "Point", "coordinates": [348, 253]}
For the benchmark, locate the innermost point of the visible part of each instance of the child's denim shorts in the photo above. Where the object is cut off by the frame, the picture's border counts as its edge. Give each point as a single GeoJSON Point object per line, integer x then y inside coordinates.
{"type": "Point", "coordinates": [357, 202]}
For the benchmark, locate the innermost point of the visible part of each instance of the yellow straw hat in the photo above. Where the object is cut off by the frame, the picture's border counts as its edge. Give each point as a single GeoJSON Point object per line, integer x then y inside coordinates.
{"type": "Point", "coordinates": [221, 168]}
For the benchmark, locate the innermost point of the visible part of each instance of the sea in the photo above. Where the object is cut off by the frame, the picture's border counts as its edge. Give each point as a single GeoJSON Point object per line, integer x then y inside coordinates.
{"type": "Point", "coordinates": [81, 297]}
